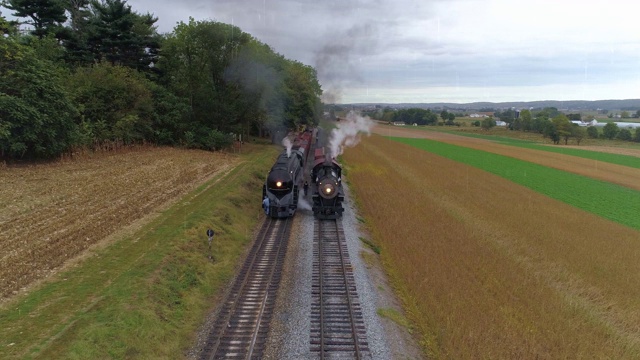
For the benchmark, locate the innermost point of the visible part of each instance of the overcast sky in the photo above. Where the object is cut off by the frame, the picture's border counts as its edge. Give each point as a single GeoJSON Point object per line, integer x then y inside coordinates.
{"type": "Point", "coordinates": [441, 50]}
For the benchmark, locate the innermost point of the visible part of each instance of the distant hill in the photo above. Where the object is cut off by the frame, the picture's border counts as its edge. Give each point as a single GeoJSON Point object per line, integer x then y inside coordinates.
{"type": "Point", "coordinates": [628, 104]}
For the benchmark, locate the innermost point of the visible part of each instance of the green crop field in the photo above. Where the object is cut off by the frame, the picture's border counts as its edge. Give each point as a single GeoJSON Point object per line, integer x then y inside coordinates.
{"type": "Point", "coordinates": [608, 200]}
{"type": "Point", "coordinates": [624, 160]}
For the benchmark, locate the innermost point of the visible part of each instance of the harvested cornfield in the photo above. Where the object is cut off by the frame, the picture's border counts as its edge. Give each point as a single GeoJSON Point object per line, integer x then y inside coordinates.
{"type": "Point", "coordinates": [50, 213]}
{"type": "Point", "coordinates": [487, 268]}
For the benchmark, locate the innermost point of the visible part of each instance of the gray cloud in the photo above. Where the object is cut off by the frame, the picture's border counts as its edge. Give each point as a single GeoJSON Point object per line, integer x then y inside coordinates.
{"type": "Point", "coordinates": [367, 47]}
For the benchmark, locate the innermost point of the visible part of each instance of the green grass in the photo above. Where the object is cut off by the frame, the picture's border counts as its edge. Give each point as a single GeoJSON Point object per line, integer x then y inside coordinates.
{"type": "Point", "coordinates": [608, 200]}
{"type": "Point", "coordinates": [376, 249]}
{"type": "Point", "coordinates": [146, 295]}
{"type": "Point", "coordinates": [394, 316]}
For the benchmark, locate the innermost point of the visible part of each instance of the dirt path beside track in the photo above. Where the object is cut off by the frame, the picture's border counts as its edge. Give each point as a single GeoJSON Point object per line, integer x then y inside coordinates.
{"type": "Point", "coordinates": [617, 174]}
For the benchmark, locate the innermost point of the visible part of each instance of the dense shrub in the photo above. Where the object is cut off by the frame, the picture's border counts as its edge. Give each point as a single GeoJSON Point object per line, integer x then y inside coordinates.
{"type": "Point", "coordinates": [115, 102]}
{"type": "Point", "coordinates": [592, 131]}
{"type": "Point", "coordinates": [625, 134]}
{"type": "Point", "coordinates": [36, 114]}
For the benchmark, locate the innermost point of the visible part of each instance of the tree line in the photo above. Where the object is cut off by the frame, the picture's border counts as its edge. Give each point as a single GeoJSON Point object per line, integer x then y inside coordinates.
{"type": "Point", "coordinates": [553, 124]}
{"type": "Point", "coordinates": [91, 73]}
{"type": "Point", "coordinates": [549, 122]}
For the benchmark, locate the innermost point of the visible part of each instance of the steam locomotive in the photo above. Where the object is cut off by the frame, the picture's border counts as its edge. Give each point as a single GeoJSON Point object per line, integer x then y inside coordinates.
{"type": "Point", "coordinates": [328, 195]}
{"type": "Point", "coordinates": [280, 191]}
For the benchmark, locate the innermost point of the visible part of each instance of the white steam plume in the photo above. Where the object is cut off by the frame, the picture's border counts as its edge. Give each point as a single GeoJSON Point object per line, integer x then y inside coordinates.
{"type": "Point", "coordinates": [303, 204]}
{"type": "Point", "coordinates": [347, 133]}
{"type": "Point", "coordinates": [287, 143]}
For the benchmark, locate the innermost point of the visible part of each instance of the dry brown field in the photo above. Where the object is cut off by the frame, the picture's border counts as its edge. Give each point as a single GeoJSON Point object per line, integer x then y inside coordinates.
{"type": "Point", "coordinates": [617, 174]}
{"type": "Point", "coordinates": [488, 269]}
{"type": "Point", "coordinates": [51, 213]}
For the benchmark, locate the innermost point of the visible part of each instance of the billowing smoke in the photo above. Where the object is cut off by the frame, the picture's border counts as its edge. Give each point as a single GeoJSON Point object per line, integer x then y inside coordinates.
{"type": "Point", "coordinates": [262, 82]}
{"type": "Point", "coordinates": [347, 133]}
{"type": "Point", "coordinates": [339, 61]}
{"type": "Point", "coordinates": [303, 204]}
{"type": "Point", "coordinates": [287, 143]}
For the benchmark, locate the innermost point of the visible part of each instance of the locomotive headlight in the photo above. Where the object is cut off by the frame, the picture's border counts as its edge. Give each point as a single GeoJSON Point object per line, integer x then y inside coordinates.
{"type": "Point", "coordinates": [279, 183]}
{"type": "Point", "coordinates": [327, 190]}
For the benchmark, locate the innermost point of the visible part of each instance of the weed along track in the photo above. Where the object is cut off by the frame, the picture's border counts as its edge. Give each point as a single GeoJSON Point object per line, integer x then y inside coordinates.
{"type": "Point", "coordinates": [242, 326]}
{"type": "Point", "coordinates": [337, 326]}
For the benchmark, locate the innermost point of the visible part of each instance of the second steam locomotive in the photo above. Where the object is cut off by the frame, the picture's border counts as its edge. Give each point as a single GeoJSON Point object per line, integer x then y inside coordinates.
{"type": "Point", "coordinates": [328, 195]}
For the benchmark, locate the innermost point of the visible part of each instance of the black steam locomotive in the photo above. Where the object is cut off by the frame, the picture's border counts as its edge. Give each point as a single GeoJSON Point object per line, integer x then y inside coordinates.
{"type": "Point", "coordinates": [280, 191]}
{"type": "Point", "coordinates": [328, 195]}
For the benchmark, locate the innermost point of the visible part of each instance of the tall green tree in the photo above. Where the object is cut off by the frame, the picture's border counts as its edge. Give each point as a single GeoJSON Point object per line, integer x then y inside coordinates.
{"type": "Point", "coordinates": [47, 16]}
{"type": "Point", "coordinates": [7, 27]}
{"type": "Point", "coordinates": [539, 123]}
{"type": "Point", "coordinates": [551, 131]}
{"type": "Point", "coordinates": [610, 130]}
{"type": "Point", "coordinates": [121, 36]}
{"type": "Point", "coordinates": [488, 123]}
{"type": "Point", "coordinates": [193, 63]}
{"type": "Point", "coordinates": [563, 127]}
{"type": "Point", "coordinates": [507, 116]}
{"type": "Point", "coordinates": [303, 91]}
{"type": "Point", "coordinates": [527, 120]}
{"type": "Point", "coordinates": [258, 72]}
{"type": "Point", "coordinates": [36, 114]}
{"type": "Point", "coordinates": [77, 48]}
{"type": "Point", "coordinates": [115, 101]}
{"type": "Point", "coordinates": [592, 131]}
{"type": "Point", "coordinates": [625, 135]}
{"type": "Point", "coordinates": [578, 133]}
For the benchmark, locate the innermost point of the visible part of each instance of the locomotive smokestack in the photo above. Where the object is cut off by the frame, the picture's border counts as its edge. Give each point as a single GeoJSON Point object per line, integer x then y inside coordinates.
{"type": "Point", "coordinates": [327, 160]}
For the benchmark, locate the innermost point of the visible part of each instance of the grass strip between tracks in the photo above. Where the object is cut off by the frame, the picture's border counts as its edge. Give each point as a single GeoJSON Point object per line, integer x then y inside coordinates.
{"type": "Point", "coordinates": [608, 200]}
{"type": "Point", "coordinates": [146, 295]}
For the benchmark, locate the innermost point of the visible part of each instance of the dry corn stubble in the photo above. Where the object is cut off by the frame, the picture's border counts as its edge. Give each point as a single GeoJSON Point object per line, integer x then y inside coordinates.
{"type": "Point", "coordinates": [50, 213]}
{"type": "Point", "coordinates": [496, 270]}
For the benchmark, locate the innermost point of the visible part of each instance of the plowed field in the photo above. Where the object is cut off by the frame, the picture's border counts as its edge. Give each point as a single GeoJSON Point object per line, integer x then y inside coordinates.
{"type": "Point", "coordinates": [51, 213]}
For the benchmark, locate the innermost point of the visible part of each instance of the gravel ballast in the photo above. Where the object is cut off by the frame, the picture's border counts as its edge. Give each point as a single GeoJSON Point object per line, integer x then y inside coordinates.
{"type": "Point", "coordinates": [290, 330]}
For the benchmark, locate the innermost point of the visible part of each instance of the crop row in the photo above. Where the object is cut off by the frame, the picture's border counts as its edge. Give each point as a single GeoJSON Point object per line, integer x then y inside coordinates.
{"type": "Point", "coordinates": [608, 200]}
{"type": "Point", "coordinates": [618, 159]}
{"type": "Point", "coordinates": [489, 269]}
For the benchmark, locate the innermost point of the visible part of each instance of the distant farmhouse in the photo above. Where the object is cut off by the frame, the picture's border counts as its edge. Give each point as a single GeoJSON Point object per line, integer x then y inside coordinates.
{"type": "Point", "coordinates": [585, 123]}
{"type": "Point", "coordinates": [481, 115]}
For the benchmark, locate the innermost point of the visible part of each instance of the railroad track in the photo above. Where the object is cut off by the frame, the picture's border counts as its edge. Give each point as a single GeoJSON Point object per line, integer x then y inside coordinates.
{"type": "Point", "coordinates": [242, 325]}
{"type": "Point", "coordinates": [337, 326]}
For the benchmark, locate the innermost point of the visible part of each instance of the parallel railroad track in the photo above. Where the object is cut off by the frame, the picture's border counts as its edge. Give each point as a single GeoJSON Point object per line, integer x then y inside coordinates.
{"type": "Point", "coordinates": [242, 326]}
{"type": "Point", "coordinates": [337, 326]}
